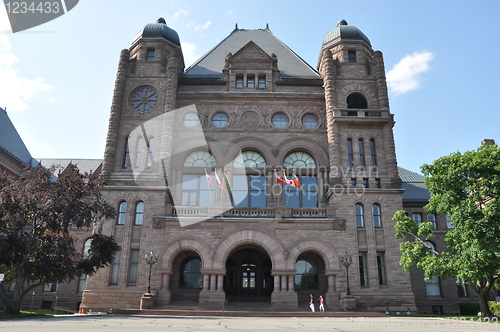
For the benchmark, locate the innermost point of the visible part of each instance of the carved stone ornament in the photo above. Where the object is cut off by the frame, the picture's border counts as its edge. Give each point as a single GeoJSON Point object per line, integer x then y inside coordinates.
{"type": "Point", "coordinates": [250, 119]}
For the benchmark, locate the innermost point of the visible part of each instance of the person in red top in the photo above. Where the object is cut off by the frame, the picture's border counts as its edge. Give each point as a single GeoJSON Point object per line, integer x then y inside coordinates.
{"type": "Point", "coordinates": [321, 304]}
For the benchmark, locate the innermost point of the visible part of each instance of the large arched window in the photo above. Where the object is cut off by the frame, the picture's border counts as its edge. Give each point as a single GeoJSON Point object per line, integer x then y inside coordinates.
{"type": "Point", "coordinates": [307, 274]}
{"type": "Point", "coordinates": [139, 213]}
{"type": "Point", "coordinates": [360, 218]}
{"type": "Point", "coordinates": [432, 284]}
{"type": "Point", "coordinates": [122, 213]}
{"type": "Point", "coordinates": [190, 273]}
{"type": "Point", "coordinates": [299, 159]}
{"type": "Point", "coordinates": [199, 158]}
{"type": "Point", "coordinates": [357, 100]}
{"type": "Point", "coordinates": [251, 159]}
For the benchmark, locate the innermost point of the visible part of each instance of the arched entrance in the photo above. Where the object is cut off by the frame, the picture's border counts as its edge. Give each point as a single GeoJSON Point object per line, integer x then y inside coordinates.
{"type": "Point", "coordinates": [310, 277]}
{"type": "Point", "coordinates": [248, 275]}
{"type": "Point", "coordinates": [186, 282]}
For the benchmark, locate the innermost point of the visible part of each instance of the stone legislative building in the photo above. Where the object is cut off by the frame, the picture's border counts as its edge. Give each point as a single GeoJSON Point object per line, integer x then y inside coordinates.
{"type": "Point", "coordinates": [251, 174]}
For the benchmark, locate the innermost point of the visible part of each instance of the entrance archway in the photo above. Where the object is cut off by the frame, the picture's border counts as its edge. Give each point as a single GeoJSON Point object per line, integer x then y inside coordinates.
{"type": "Point", "coordinates": [248, 275]}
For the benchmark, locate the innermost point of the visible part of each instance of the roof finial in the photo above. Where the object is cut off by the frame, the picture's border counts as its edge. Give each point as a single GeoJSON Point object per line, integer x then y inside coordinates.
{"type": "Point", "coordinates": [236, 26]}
{"type": "Point", "coordinates": [161, 20]}
{"type": "Point", "coordinates": [267, 26]}
{"type": "Point", "coordinates": [342, 22]}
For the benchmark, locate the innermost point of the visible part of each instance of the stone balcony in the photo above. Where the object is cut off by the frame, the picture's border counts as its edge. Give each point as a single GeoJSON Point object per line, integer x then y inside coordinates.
{"type": "Point", "coordinates": [268, 214]}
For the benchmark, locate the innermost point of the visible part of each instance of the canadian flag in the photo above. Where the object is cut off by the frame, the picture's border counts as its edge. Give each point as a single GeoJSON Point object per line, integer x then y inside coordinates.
{"type": "Point", "coordinates": [279, 179]}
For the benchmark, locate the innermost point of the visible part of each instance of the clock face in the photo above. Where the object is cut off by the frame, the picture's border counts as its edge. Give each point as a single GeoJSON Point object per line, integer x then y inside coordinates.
{"type": "Point", "coordinates": [144, 99]}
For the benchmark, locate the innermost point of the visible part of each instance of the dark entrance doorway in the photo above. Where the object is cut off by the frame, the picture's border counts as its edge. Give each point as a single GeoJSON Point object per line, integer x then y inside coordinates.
{"type": "Point", "coordinates": [248, 275]}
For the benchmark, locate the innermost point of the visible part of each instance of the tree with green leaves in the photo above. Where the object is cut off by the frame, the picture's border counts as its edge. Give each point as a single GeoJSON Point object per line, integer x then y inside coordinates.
{"type": "Point", "coordinates": [466, 187]}
{"type": "Point", "coordinates": [37, 213]}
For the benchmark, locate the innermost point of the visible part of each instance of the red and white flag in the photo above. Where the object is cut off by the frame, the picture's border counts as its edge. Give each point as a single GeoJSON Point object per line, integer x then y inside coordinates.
{"type": "Point", "coordinates": [209, 179]}
{"type": "Point", "coordinates": [279, 179]}
{"type": "Point", "coordinates": [219, 182]}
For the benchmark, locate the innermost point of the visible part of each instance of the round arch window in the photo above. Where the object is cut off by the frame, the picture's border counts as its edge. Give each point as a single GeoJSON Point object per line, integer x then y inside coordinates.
{"type": "Point", "coordinates": [191, 119]}
{"type": "Point", "coordinates": [310, 121]}
{"type": "Point", "coordinates": [307, 274]}
{"type": "Point", "coordinates": [299, 159]}
{"type": "Point", "coordinates": [220, 120]}
{"type": "Point", "coordinates": [357, 100]}
{"type": "Point", "coordinates": [280, 120]}
{"type": "Point", "coordinates": [199, 159]}
{"type": "Point", "coordinates": [250, 159]}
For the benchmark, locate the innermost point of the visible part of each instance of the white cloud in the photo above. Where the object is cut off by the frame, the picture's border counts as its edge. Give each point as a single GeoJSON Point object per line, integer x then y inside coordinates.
{"type": "Point", "coordinates": [405, 76]}
{"type": "Point", "coordinates": [178, 14]}
{"type": "Point", "coordinates": [202, 26]}
{"type": "Point", "coordinates": [188, 50]}
{"type": "Point", "coordinates": [15, 90]}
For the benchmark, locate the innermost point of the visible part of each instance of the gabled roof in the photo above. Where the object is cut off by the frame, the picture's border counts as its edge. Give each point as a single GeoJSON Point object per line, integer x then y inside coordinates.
{"type": "Point", "coordinates": [11, 143]}
{"type": "Point", "coordinates": [289, 63]}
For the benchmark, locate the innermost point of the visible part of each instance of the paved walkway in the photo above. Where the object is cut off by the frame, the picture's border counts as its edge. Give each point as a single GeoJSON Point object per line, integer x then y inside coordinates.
{"type": "Point", "coordinates": [91, 323]}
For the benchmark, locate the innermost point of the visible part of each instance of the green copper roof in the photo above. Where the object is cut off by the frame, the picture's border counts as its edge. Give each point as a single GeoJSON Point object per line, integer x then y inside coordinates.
{"type": "Point", "coordinates": [158, 30]}
{"type": "Point", "coordinates": [344, 32]}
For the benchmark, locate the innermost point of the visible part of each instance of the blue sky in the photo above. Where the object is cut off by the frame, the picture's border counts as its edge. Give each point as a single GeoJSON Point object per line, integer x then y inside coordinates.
{"type": "Point", "coordinates": [56, 80]}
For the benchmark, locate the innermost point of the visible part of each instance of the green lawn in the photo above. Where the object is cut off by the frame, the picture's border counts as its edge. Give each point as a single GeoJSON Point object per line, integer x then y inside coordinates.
{"type": "Point", "coordinates": [34, 313]}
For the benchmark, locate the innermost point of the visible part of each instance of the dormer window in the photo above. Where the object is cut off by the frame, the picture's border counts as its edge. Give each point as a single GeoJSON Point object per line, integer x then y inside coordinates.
{"type": "Point", "coordinates": [150, 54]}
{"type": "Point", "coordinates": [351, 55]}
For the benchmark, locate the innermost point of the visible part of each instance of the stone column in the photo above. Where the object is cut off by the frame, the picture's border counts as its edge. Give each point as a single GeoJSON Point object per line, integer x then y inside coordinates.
{"type": "Point", "coordinates": [206, 282]}
{"type": "Point", "coordinates": [220, 282]}
{"type": "Point", "coordinates": [283, 283]}
{"type": "Point", "coordinates": [213, 282]}
{"type": "Point", "coordinates": [276, 283]}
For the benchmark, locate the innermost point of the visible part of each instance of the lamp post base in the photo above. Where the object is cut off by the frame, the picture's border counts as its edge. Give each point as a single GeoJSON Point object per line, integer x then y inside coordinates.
{"type": "Point", "coordinates": [147, 301]}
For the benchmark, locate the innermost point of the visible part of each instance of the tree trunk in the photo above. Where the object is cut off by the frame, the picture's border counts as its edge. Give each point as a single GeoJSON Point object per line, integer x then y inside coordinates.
{"type": "Point", "coordinates": [482, 296]}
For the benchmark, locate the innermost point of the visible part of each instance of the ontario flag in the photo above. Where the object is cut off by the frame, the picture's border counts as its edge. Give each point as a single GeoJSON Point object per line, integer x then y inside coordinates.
{"type": "Point", "coordinates": [279, 179]}
{"type": "Point", "coordinates": [209, 179]}
{"type": "Point", "coordinates": [219, 182]}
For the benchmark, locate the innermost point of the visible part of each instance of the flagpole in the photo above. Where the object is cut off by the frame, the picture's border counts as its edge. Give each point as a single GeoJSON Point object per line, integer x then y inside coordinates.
{"type": "Point", "coordinates": [209, 184]}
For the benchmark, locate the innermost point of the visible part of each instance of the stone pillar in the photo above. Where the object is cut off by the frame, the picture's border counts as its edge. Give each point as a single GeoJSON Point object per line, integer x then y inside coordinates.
{"type": "Point", "coordinates": [283, 284]}
{"type": "Point", "coordinates": [213, 282]}
{"type": "Point", "coordinates": [332, 296]}
{"type": "Point", "coordinates": [205, 282]}
{"type": "Point", "coordinates": [291, 283]}
{"type": "Point", "coordinates": [220, 282]}
{"type": "Point", "coordinates": [147, 301]}
{"type": "Point", "coordinates": [276, 283]}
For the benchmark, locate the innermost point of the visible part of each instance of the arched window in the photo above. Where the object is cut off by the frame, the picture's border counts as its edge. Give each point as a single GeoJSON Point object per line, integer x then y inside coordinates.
{"type": "Point", "coordinates": [139, 213]}
{"type": "Point", "coordinates": [360, 218]}
{"type": "Point", "coordinates": [357, 100]}
{"type": "Point", "coordinates": [280, 120]}
{"type": "Point", "coordinates": [250, 159]}
{"type": "Point", "coordinates": [150, 152]}
{"type": "Point", "coordinates": [307, 274]}
{"type": "Point", "coordinates": [350, 162]}
{"type": "Point", "coordinates": [361, 146]}
{"type": "Point", "coordinates": [299, 159]}
{"type": "Point", "coordinates": [138, 156]}
{"type": "Point", "coordinates": [126, 158]}
{"type": "Point", "coordinates": [432, 284]}
{"type": "Point", "coordinates": [377, 218]}
{"type": "Point", "coordinates": [373, 153]}
{"type": "Point", "coordinates": [122, 213]}
{"type": "Point", "coordinates": [199, 158]}
{"type": "Point", "coordinates": [82, 282]}
{"type": "Point", "coordinates": [190, 273]}
{"type": "Point", "coordinates": [86, 248]}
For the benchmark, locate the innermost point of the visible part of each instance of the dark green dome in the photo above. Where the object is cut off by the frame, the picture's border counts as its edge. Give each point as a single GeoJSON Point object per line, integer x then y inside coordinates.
{"type": "Point", "coordinates": [344, 32]}
{"type": "Point", "coordinates": [158, 30]}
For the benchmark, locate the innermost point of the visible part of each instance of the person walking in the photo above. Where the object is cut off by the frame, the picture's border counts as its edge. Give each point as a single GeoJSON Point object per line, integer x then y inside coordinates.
{"type": "Point", "coordinates": [321, 303]}
{"type": "Point", "coordinates": [311, 302]}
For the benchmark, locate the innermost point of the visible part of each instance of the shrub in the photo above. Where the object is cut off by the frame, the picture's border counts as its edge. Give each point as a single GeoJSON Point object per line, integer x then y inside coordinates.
{"type": "Point", "coordinates": [469, 308]}
{"type": "Point", "coordinates": [494, 308]}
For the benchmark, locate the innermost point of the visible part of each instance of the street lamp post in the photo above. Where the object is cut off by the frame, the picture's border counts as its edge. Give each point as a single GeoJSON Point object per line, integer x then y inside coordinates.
{"type": "Point", "coordinates": [347, 261]}
{"type": "Point", "coordinates": [151, 260]}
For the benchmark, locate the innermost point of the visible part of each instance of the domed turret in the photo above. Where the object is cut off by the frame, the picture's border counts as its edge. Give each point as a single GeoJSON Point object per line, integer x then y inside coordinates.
{"type": "Point", "coordinates": [344, 32]}
{"type": "Point", "coordinates": [158, 30]}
